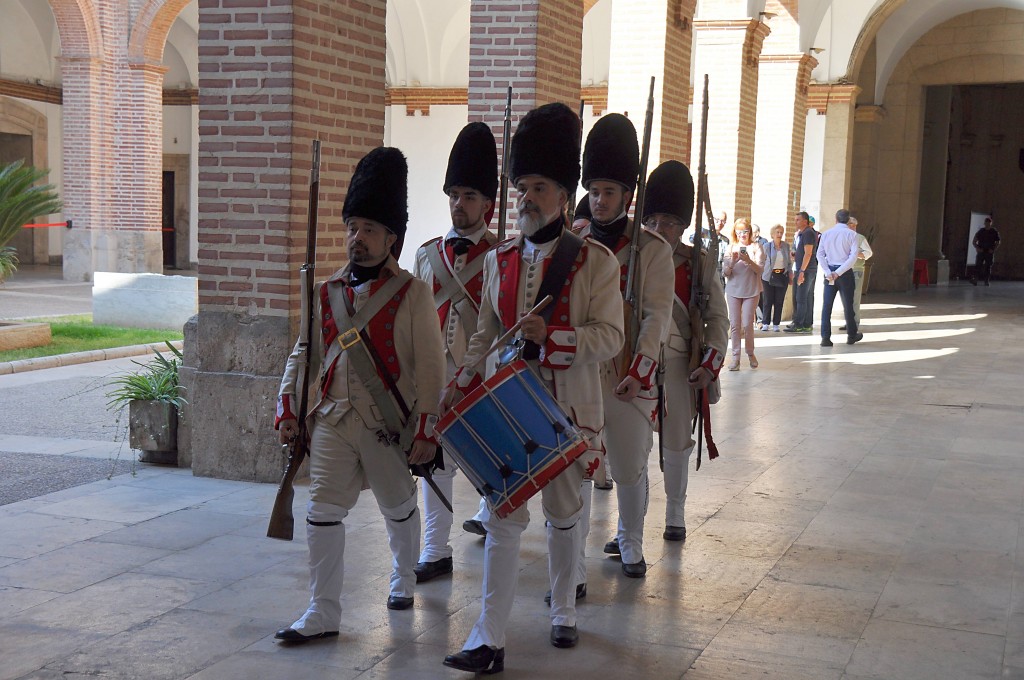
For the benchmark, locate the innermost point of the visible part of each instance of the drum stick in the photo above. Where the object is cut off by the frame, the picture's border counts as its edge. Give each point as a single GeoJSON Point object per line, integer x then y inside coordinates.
{"type": "Point", "coordinates": [537, 309]}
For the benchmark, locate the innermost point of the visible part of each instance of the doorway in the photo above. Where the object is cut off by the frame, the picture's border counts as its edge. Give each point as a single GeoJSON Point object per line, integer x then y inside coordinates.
{"type": "Point", "coordinates": [17, 147]}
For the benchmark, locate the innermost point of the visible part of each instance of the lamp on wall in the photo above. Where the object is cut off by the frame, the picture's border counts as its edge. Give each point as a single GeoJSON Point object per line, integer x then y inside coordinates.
{"type": "Point", "coordinates": [816, 50]}
{"type": "Point", "coordinates": [766, 16]}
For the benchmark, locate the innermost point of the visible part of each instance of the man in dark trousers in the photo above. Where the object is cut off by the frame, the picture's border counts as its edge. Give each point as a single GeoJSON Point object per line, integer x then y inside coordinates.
{"type": "Point", "coordinates": [985, 243]}
{"type": "Point", "coordinates": [804, 247]}
{"type": "Point", "coordinates": [376, 349]}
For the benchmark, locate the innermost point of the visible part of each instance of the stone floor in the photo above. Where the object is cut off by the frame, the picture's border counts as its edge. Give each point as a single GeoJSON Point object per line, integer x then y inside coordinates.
{"type": "Point", "coordinates": [863, 521]}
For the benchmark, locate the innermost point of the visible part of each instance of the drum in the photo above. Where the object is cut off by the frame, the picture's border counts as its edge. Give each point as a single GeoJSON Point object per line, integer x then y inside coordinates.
{"type": "Point", "coordinates": [510, 437]}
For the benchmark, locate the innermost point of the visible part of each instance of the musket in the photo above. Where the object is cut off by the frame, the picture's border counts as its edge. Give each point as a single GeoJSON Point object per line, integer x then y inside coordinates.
{"type": "Point", "coordinates": [571, 211]}
{"type": "Point", "coordinates": [282, 523]}
{"type": "Point", "coordinates": [699, 297]}
{"type": "Point", "coordinates": [506, 136]}
{"type": "Point", "coordinates": [629, 294]}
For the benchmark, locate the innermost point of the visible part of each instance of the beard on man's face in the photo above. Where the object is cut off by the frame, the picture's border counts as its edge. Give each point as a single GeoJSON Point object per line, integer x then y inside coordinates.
{"type": "Point", "coordinates": [530, 220]}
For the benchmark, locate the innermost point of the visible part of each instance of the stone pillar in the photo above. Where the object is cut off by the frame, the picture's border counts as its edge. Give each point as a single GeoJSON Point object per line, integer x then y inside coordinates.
{"type": "Point", "coordinates": [728, 52]}
{"type": "Point", "coordinates": [113, 132]}
{"type": "Point", "coordinates": [932, 201]}
{"type": "Point", "coordinates": [779, 150]}
{"type": "Point", "coordinates": [536, 47]}
{"type": "Point", "coordinates": [273, 76]}
{"type": "Point", "coordinates": [838, 163]}
{"type": "Point", "coordinates": [653, 38]}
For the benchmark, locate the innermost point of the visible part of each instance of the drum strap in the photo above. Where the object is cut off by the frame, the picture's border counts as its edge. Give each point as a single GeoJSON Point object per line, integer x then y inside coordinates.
{"type": "Point", "coordinates": [453, 286]}
{"type": "Point", "coordinates": [568, 248]}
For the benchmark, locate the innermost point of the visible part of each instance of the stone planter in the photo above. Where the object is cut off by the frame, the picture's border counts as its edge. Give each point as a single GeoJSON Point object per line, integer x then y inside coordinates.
{"type": "Point", "coordinates": [153, 429]}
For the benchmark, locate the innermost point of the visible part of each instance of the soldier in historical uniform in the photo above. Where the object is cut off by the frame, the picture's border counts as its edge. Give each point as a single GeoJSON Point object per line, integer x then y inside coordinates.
{"type": "Point", "coordinates": [565, 345]}
{"type": "Point", "coordinates": [376, 348]}
{"type": "Point", "coordinates": [667, 210]}
{"type": "Point", "coordinates": [453, 266]}
{"type": "Point", "coordinates": [611, 166]}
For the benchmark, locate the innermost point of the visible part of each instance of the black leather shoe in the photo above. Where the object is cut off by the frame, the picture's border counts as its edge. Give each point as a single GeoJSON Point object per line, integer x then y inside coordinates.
{"type": "Point", "coordinates": [636, 570]}
{"type": "Point", "coordinates": [426, 571]}
{"type": "Point", "coordinates": [564, 637]}
{"type": "Point", "coordinates": [398, 603]}
{"type": "Point", "coordinates": [581, 592]}
{"type": "Point", "coordinates": [672, 533]}
{"type": "Point", "coordinates": [854, 339]}
{"type": "Point", "coordinates": [483, 659]}
{"type": "Point", "coordinates": [826, 343]}
{"type": "Point", "coordinates": [474, 526]}
{"type": "Point", "coordinates": [607, 486]}
{"type": "Point", "coordinates": [612, 547]}
{"type": "Point", "coordinates": [294, 637]}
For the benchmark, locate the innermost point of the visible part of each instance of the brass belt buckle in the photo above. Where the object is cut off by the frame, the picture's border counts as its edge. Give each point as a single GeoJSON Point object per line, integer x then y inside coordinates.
{"type": "Point", "coordinates": [348, 338]}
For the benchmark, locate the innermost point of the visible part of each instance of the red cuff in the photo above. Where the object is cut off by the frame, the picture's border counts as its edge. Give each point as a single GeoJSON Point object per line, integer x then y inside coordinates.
{"type": "Point", "coordinates": [425, 423]}
{"type": "Point", "coordinates": [284, 410]}
{"type": "Point", "coordinates": [466, 380]}
{"type": "Point", "coordinates": [713, 361]}
{"type": "Point", "coordinates": [559, 349]}
{"type": "Point", "coordinates": [643, 369]}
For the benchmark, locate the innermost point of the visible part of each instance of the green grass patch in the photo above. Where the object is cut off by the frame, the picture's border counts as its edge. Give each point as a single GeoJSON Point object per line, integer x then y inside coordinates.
{"type": "Point", "coordinates": [78, 334]}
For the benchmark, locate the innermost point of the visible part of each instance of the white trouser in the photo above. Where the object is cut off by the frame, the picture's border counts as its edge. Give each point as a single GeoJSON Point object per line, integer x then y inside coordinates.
{"type": "Point", "coordinates": [677, 466]}
{"type": "Point", "coordinates": [632, 509]}
{"type": "Point", "coordinates": [437, 518]}
{"type": "Point", "coordinates": [403, 524]}
{"type": "Point", "coordinates": [629, 436]}
{"type": "Point", "coordinates": [326, 569]}
{"type": "Point", "coordinates": [587, 494]}
{"type": "Point", "coordinates": [501, 559]}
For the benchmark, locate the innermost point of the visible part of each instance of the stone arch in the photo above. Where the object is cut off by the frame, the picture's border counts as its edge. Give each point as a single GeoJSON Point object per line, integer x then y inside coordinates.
{"type": "Point", "coordinates": [78, 27]}
{"type": "Point", "coordinates": [150, 29]}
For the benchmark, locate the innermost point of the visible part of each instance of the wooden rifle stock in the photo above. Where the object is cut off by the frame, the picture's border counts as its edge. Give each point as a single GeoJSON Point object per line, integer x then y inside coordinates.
{"type": "Point", "coordinates": [506, 137]}
{"type": "Point", "coordinates": [282, 523]}
{"type": "Point", "coordinates": [629, 308]}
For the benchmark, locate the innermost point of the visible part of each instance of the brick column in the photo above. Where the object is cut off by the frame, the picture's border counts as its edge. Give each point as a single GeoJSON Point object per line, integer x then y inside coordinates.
{"type": "Point", "coordinates": [728, 51]}
{"type": "Point", "coordinates": [653, 38]}
{"type": "Point", "coordinates": [779, 149]}
{"type": "Point", "coordinates": [273, 76]}
{"type": "Point", "coordinates": [536, 47]}
{"type": "Point", "coordinates": [836, 168]}
{"type": "Point", "coordinates": [112, 120]}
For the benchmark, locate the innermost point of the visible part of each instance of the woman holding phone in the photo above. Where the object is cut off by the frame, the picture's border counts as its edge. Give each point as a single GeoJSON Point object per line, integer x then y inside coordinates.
{"type": "Point", "coordinates": [742, 266]}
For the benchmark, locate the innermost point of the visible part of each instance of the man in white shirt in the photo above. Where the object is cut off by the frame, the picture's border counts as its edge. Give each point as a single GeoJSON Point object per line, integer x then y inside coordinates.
{"type": "Point", "coordinates": [837, 252]}
{"type": "Point", "coordinates": [864, 253]}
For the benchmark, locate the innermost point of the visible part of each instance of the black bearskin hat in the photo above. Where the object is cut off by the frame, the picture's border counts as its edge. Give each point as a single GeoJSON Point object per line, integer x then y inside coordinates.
{"type": "Point", "coordinates": [612, 153]}
{"type": "Point", "coordinates": [547, 143]}
{"type": "Point", "coordinates": [379, 190]}
{"type": "Point", "coordinates": [582, 211]}
{"type": "Point", "coordinates": [473, 161]}
{"type": "Point", "coordinates": [670, 191]}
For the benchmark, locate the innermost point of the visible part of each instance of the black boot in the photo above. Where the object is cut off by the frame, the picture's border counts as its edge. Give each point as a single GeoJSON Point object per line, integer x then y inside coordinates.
{"type": "Point", "coordinates": [483, 659]}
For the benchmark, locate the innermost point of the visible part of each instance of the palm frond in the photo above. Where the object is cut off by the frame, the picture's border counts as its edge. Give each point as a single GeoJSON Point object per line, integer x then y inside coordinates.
{"type": "Point", "coordinates": [22, 198]}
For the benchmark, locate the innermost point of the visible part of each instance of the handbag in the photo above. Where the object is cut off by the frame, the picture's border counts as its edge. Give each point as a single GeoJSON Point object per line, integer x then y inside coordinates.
{"type": "Point", "coordinates": [778, 278]}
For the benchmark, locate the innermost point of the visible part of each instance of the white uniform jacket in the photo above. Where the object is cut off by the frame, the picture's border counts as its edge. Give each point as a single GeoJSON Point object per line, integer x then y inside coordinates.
{"type": "Point", "coordinates": [716, 316]}
{"type": "Point", "coordinates": [585, 326]}
{"type": "Point", "coordinates": [406, 336]}
{"type": "Point", "coordinates": [653, 288]}
{"type": "Point", "coordinates": [453, 321]}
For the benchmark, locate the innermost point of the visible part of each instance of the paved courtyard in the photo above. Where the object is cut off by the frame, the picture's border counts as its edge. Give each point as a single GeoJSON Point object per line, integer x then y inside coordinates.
{"type": "Point", "coordinates": [863, 521]}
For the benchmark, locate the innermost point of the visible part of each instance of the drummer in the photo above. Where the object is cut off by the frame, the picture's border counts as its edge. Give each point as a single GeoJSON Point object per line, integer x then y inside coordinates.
{"type": "Point", "coordinates": [565, 345]}
{"type": "Point", "coordinates": [453, 266]}
{"type": "Point", "coordinates": [611, 166]}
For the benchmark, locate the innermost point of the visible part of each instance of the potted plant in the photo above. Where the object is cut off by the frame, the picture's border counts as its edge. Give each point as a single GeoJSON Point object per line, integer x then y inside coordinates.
{"type": "Point", "coordinates": [21, 199]}
{"type": "Point", "coordinates": [153, 398]}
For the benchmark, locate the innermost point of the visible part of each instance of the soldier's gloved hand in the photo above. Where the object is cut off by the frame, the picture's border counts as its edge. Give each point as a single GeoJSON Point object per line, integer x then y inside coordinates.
{"type": "Point", "coordinates": [421, 452]}
{"type": "Point", "coordinates": [700, 378]}
{"type": "Point", "coordinates": [288, 430]}
{"type": "Point", "coordinates": [627, 389]}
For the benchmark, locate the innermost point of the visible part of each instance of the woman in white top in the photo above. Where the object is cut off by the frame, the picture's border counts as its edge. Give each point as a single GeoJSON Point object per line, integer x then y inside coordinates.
{"type": "Point", "coordinates": [742, 266]}
{"type": "Point", "coordinates": [778, 258]}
